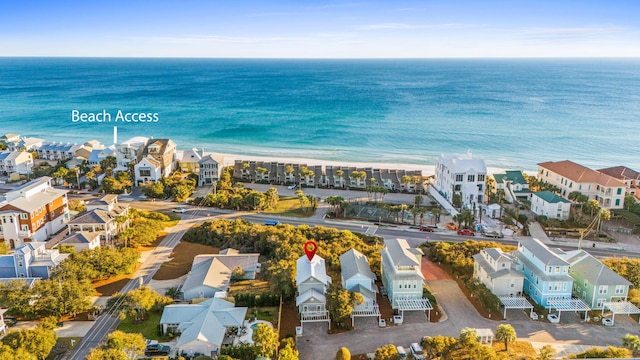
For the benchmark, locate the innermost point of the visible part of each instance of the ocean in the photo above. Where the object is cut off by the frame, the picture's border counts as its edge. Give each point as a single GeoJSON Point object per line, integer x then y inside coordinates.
{"type": "Point", "coordinates": [512, 113]}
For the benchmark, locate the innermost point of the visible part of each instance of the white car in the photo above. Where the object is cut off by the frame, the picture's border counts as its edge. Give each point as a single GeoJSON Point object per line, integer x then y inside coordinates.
{"type": "Point", "coordinates": [607, 321]}
{"type": "Point", "coordinates": [416, 351]}
{"type": "Point", "coordinates": [291, 187]}
{"type": "Point", "coordinates": [180, 210]}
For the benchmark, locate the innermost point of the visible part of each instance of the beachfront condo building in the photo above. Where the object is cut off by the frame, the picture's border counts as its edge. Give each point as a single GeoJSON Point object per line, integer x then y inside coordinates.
{"type": "Point", "coordinates": [461, 175]}
{"type": "Point", "coordinates": [569, 177]}
{"type": "Point", "coordinates": [630, 177]}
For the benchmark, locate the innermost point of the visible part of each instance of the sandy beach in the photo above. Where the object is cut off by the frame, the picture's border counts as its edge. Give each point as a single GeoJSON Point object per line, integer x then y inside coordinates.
{"type": "Point", "coordinates": [427, 169]}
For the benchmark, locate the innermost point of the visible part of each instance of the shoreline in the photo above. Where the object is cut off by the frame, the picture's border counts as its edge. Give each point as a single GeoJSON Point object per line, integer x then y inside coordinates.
{"type": "Point", "coordinates": [427, 170]}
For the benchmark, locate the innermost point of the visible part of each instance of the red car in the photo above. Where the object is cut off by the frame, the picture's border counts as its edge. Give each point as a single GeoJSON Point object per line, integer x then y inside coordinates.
{"type": "Point", "coordinates": [427, 229]}
{"type": "Point", "coordinates": [466, 232]}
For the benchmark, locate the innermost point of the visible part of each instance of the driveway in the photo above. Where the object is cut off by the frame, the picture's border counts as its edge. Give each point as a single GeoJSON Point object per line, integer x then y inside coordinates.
{"type": "Point", "coordinates": [571, 335]}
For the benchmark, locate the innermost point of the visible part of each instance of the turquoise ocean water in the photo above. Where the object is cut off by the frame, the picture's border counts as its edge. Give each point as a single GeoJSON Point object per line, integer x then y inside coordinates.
{"type": "Point", "coordinates": [513, 113]}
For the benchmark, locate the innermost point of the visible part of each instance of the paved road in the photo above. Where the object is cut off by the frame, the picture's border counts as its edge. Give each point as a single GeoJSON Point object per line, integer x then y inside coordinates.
{"type": "Point", "coordinates": [108, 322]}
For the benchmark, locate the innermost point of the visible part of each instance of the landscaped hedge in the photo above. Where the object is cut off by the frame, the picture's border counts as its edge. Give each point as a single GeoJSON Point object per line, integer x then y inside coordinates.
{"type": "Point", "coordinates": [486, 297]}
{"type": "Point", "coordinates": [253, 300]}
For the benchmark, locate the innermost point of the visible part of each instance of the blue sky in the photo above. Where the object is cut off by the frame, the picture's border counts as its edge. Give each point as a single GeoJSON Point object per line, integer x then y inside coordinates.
{"type": "Point", "coordinates": [321, 29]}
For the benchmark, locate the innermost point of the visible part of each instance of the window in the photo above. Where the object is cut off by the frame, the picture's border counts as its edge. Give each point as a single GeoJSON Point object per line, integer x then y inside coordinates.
{"type": "Point", "coordinates": [619, 289]}
{"type": "Point", "coordinates": [617, 202]}
{"type": "Point", "coordinates": [471, 178]}
{"type": "Point", "coordinates": [457, 188]}
{"type": "Point", "coordinates": [25, 227]}
{"type": "Point", "coordinates": [557, 269]}
{"type": "Point", "coordinates": [19, 263]}
{"type": "Point", "coordinates": [145, 172]}
{"type": "Point", "coordinates": [564, 286]}
{"type": "Point", "coordinates": [480, 177]}
{"type": "Point", "coordinates": [619, 192]}
{"type": "Point", "coordinates": [556, 286]}
{"type": "Point", "coordinates": [585, 283]}
{"type": "Point", "coordinates": [602, 289]}
{"type": "Point", "coordinates": [600, 302]}
{"type": "Point", "coordinates": [459, 177]}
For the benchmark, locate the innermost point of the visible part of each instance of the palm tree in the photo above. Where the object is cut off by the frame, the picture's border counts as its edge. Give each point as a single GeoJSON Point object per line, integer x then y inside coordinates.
{"type": "Point", "coordinates": [59, 174]}
{"type": "Point", "coordinates": [506, 333]}
{"type": "Point", "coordinates": [262, 171]}
{"type": "Point", "coordinates": [415, 211]}
{"type": "Point", "coordinates": [403, 208]}
{"type": "Point", "coordinates": [340, 174]}
{"type": "Point", "coordinates": [405, 180]}
{"type": "Point", "coordinates": [436, 215]}
{"type": "Point", "coordinates": [416, 181]}
{"type": "Point", "coordinates": [288, 170]}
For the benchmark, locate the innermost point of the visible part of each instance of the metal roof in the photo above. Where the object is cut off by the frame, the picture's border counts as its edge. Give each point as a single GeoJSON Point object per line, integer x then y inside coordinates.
{"type": "Point", "coordinates": [353, 263]}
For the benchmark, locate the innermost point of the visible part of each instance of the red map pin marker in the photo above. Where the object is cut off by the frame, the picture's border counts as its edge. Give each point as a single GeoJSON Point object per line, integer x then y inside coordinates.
{"type": "Point", "coordinates": [310, 248]}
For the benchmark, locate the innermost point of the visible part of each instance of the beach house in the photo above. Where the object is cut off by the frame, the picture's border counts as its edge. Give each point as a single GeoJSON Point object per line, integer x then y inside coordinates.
{"type": "Point", "coordinates": [210, 169]}
{"type": "Point", "coordinates": [546, 203]}
{"type": "Point", "coordinates": [157, 161]}
{"type": "Point", "coordinates": [312, 282]}
{"type": "Point", "coordinates": [461, 175]}
{"type": "Point", "coordinates": [514, 185]}
{"type": "Point", "coordinates": [15, 162]}
{"type": "Point", "coordinates": [546, 272]}
{"type": "Point", "coordinates": [498, 271]}
{"type": "Point", "coordinates": [569, 176]}
{"type": "Point", "coordinates": [130, 151]}
{"type": "Point", "coordinates": [30, 260]}
{"type": "Point", "coordinates": [203, 327]}
{"type": "Point", "coordinates": [211, 274]}
{"type": "Point", "coordinates": [357, 277]}
{"type": "Point", "coordinates": [34, 211]}
{"type": "Point", "coordinates": [594, 282]}
{"type": "Point", "coordinates": [401, 269]}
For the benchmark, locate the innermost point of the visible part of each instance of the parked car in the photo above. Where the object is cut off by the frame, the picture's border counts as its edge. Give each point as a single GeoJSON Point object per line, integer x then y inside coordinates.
{"type": "Point", "coordinates": [426, 228]}
{"type": "Point", "coordinates": [494, 234]}
{"type": "Point", "coordinates": [271, 222]}
{"type": "Point", "coordinates": [416, 351]}
{"type": "Point", "coordinates": [157, 350]}
{"type": "Point", "coordinates": [466, 232]}
{"type": "Point", "coordinates": [180, 210]}
{"type": "Point", "coordinates": [291, 187]}
{"type": "Point", "coordinates": [402, 352]}
{"type": "Point", "coordinates": [607, 321]}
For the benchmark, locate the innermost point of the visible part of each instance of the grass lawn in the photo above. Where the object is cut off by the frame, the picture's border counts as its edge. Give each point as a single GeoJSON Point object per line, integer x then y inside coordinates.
{"type": "Point", "coordinates": [148, 329]}
{"type": "Point", "coordinates": [181, 260]}
{"type": "Point", "coordinates": [266, 313]}
{"type": "Point", "coordinates": [517, 350]}
{"type": "Point", "coordinates": [248, 287]}
{"type": "Point", "coordinates": [289, 206]}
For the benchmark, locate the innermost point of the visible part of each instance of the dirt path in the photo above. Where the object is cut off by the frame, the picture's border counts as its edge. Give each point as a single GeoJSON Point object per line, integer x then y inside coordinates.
{"type": "Point", "coordinates": [432, 271]}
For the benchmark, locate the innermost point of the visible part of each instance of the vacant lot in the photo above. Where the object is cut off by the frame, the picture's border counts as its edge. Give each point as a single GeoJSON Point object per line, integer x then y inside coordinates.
{"type": "Point", "coordinates": [289, 206]}
{"type": "Point", "coordinates": [182, 258]}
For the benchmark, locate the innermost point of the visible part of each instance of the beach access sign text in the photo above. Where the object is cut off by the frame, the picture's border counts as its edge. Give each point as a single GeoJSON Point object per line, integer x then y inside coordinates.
{"type": "Point", "coordinates": [120, 116]}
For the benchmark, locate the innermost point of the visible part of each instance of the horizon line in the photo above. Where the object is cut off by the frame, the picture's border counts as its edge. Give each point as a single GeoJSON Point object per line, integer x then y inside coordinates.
{"type": "Point", "coordinates": [325, 58]}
